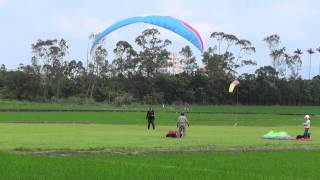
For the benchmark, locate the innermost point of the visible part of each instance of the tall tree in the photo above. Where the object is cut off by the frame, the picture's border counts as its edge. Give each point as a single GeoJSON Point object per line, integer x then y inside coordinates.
{"type": "Point", "coordinates": [3, 68]}
{"type": "Point", "coordinates": [283, 61]}
{"type": "Point", "coordinates": [245, 49]}
{"type": "Point", "coordinates": [310, 52]}
{"type": "Point", "coordinates": [188, 60]}
{"type": "Point", "coordinates": [154, 54]}
{"type": "Point", "coordinates": [267, 91]}
{"type": "Point", "coordinates": [52, 53]}
{"type": "Point", "coordinates": [99, 59]}
{"type": "Point", "coordinates": [96, 69]}
{"type": "Point", "coordinates": [318, 49]}
{"type": "Point", "coordinates": [91, 37]}
{"type": "Point", "coordinates": [228, 54]}
{"type": "Point", "coordinates": [296, 58]}
{"type": "Point", "coordinates": [21, 84]}
{"type": "Point", "coordinates": [215, 64]}
{"type": "Point", "coordinates": [273, 42]}
{"type": "Point", "coordinates": [126, 58]}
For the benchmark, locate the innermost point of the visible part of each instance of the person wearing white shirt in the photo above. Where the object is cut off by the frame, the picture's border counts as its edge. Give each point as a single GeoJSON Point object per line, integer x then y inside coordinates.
{"type": "Point", "coordinates": [306, 124]}
{"type": "Point", "coordinates": [181, 124]}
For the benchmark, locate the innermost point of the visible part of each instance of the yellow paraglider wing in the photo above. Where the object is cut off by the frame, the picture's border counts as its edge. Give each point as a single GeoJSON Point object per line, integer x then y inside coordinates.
{"type": "Point", "coordinates": [233, 85]}
{"type": "Point", "coordinates": [231, 88]}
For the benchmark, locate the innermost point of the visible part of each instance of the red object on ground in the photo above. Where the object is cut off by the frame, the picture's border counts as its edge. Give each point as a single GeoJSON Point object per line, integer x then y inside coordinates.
{"type": "Point", "coordinates": [302, 138]}
{"type": "Point", "coordinates": [172, 133]}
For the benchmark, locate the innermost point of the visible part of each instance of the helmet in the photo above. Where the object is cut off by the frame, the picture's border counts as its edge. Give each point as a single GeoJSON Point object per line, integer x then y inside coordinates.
{"type": "Point", "coordinates": [307, 116]}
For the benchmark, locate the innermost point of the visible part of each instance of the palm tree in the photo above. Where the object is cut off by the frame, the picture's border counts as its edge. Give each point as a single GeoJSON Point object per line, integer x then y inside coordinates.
{"type": "Point", "coordinates": [318, 49]}
{"type": "Point", "coordinates": [310, 52]}
{"type": "Point", "coordinates": [297, 57]}
{"type": "Point", "coordinates": [288, 63]}
{"type": "Point", "coordinates": [298, 52]}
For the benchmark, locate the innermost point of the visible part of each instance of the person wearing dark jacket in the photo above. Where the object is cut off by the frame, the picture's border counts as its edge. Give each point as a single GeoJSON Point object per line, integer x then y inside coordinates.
{"type": "Point", "coordinates": [151, 117]}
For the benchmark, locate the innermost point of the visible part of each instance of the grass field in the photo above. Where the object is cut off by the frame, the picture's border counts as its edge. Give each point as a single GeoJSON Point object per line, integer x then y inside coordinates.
{"type": "Point", "coordinates": [163, 118]}
{"type": "Point", "coordinates": [18, 105]}
{"type": "Point", "coordinates": [135, 137]}
{"type": "Point", "coordinates": [217, 165]}
{"type": "Point", "coordinates": [116, 145]}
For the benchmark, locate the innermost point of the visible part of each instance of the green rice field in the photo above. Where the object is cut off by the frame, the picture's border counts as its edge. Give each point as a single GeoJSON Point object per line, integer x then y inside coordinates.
{"type": "Point", "coordinates": [64, 141]}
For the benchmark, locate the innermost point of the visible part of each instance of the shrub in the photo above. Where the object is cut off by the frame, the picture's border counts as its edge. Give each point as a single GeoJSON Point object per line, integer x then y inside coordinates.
{"type": "Point", "coordinates": [76, 100]}
{"type": "Point", "coordinates": [123, 99]}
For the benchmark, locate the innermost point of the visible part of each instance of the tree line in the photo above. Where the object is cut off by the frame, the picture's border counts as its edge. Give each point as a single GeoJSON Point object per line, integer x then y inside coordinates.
{"type": "Point", "coordinates": [137, 76]}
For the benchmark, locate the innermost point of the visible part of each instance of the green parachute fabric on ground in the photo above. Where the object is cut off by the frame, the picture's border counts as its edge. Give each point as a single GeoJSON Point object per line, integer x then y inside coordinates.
{"type": "Point", "coordinates": [280, 135]}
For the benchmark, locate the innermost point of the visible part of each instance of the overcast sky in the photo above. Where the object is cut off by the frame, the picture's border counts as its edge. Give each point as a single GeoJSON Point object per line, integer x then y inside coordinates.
{"type": "Point", "coordinates": [23, 22]}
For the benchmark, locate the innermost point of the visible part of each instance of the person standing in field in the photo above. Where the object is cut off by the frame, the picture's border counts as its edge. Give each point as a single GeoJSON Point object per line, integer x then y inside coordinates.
{"type": "Point", "coordinates": [182, 125]}
{"type": "Point", "coordinates": [306, 124]}
{"type": "Point", "coordinates": [151, 117]}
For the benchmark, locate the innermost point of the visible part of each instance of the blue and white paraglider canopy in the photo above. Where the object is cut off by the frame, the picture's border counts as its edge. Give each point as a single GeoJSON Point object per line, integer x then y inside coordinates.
{"type": "Point", "coordinates": [175, 25]}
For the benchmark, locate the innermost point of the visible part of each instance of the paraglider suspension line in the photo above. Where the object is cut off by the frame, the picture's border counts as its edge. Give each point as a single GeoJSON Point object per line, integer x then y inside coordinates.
{"type": "Point", "coordinates": [237, 107]}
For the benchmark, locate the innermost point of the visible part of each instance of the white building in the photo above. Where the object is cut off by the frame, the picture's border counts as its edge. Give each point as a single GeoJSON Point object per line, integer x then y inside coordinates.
{"type": "Point", "coordinates": [176, 65]}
